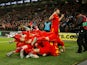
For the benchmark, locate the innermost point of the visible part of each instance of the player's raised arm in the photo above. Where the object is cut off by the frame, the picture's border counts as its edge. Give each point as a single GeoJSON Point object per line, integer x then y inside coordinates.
{"type": "Point", "coordinates": [51, 17]}
{"type": "Point", "coordinates": [61, 17]}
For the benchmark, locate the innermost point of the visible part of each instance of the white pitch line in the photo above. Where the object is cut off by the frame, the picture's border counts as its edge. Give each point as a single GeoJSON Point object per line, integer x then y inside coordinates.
{"type": "Point", "coordinates": [4, 41]}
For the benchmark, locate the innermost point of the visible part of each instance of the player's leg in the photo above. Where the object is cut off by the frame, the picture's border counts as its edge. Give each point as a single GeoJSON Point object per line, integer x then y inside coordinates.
{"type": "Point", "coordinates": [79, 43]}
{"type": "Point", "coordinates": [10, 53]}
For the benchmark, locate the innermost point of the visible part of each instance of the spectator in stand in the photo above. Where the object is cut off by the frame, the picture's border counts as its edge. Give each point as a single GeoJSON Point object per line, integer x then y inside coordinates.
{"type": "Point", "coordinates": [47, 26]}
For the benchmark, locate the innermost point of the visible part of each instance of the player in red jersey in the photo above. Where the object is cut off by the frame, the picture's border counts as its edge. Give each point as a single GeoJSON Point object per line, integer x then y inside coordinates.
{"type": "Point", "coordinates": [19, 44]}
{"type": "Point", "coordinates": [55, 19]}
{"type": "Point", "coordinates": [29, 39]}
{"type": "Point", "coordinates": [43, 46]}
{"type": "Point", "coordinates": [55, 24]}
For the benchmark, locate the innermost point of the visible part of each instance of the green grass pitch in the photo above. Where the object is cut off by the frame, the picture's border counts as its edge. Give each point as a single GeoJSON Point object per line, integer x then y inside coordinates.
{"type": "Point", "coordinates": [70, 57]}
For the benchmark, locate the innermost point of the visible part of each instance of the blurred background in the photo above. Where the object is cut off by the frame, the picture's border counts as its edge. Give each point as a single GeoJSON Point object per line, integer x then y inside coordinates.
{"type": "Point", "coordinates": [15, 13]}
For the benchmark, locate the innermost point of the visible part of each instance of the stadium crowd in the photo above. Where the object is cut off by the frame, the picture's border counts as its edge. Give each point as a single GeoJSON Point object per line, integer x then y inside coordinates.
{"type": "Point", "coordinates": [14, 18]}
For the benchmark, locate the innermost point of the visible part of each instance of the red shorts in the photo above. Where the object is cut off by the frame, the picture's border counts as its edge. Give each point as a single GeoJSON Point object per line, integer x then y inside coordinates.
{"type": "Point", "coordinates": [45, 48]}
{"type": "Point", "coordinates": [54, 50]}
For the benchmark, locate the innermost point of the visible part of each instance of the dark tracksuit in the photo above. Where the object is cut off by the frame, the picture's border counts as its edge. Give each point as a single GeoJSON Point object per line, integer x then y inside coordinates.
{"type": "Point", "coordinates": [82, 37]}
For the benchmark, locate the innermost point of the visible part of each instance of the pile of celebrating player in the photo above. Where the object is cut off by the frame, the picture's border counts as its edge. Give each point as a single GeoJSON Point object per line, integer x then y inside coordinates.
{"type": "Point", "coordinates": [36, 42]}
{"type": "Point", "coordinates": [32, 43]}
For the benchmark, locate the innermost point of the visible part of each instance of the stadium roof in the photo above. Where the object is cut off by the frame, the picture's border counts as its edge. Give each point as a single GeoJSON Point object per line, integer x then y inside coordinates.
{"type": "Point", "coordinates": [4, 1]}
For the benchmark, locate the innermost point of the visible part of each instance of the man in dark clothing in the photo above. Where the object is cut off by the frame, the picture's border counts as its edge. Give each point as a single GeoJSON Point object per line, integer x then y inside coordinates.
{"type": "Point", "coordinates": [82, 37]}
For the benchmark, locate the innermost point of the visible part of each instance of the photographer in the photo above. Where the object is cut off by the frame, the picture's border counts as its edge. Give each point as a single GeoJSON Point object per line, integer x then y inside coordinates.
{"type": "Point", "coordinates": [82, 36]}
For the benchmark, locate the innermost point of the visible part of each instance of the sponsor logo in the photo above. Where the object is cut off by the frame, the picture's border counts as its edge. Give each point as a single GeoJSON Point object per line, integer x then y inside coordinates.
{"type": "Point", "coordinates": [68, 36]}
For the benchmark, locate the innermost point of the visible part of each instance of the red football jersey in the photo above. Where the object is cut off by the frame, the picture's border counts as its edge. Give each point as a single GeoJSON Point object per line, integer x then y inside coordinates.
{"type": "Point", "coordinates": [55, 23]}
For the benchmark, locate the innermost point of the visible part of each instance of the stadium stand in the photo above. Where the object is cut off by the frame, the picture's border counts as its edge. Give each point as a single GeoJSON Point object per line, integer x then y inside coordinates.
{"type": "Point", "coordinates": [13, 18]}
